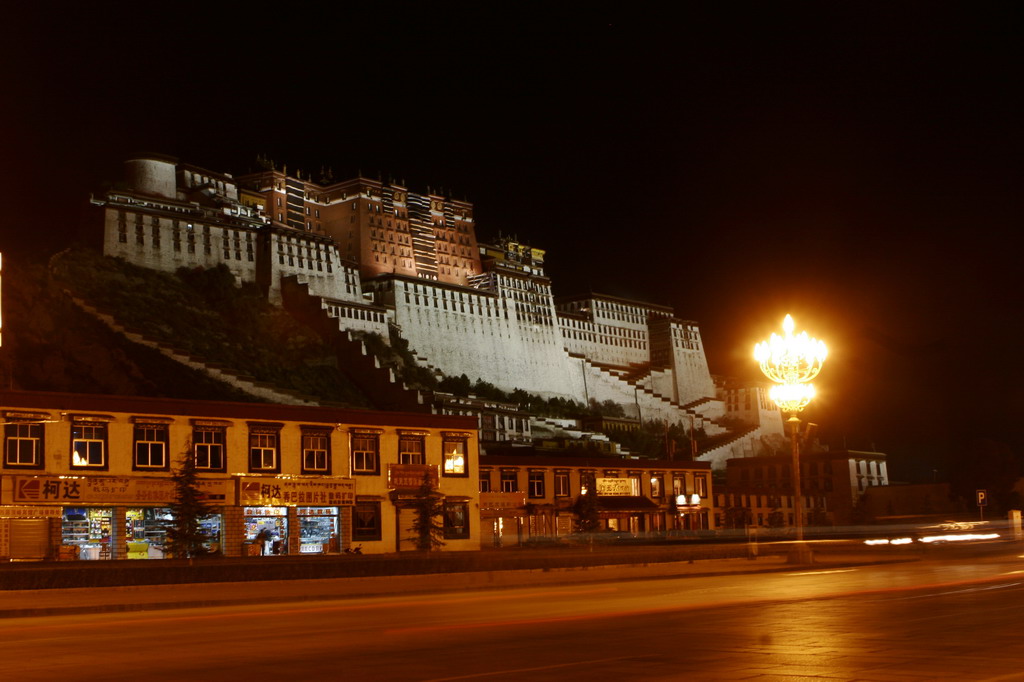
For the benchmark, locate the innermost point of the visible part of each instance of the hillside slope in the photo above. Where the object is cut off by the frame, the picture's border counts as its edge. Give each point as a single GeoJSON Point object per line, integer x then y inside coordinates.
{"type": "Point", "coordinates": [50, 345]}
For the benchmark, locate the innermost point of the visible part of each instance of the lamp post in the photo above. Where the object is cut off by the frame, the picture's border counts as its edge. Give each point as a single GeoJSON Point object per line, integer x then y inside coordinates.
{"type": "Point", "coordinates": [792, 361]}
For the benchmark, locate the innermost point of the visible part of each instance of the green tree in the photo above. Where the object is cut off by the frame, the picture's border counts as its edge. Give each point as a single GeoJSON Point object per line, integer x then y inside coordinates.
{"type": "Point", "coordinates": [185, 537]}
{"type": "Point", "coordinates": [428, 510]}
{"type": "Point", "coordinates": [588, 520]}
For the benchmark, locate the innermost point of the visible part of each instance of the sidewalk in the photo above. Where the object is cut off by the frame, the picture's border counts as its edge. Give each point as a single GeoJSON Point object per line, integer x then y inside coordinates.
{"type": "Point", "coordinates": [26, 603]}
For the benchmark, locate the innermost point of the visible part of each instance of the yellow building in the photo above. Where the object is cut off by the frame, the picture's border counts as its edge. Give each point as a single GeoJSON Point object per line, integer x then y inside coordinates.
{"type": "Point", "coordinates": [90, 477]}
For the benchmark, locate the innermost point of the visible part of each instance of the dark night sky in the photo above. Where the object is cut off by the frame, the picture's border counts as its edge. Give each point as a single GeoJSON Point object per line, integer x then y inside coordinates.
{"type": "Point", "coordinates": [855, 164]}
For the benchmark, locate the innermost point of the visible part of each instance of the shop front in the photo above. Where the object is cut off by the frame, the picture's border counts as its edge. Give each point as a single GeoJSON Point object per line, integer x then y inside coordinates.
{"type": "Point", "coordinates": [632, 515]}
{"type": "Point", "coordinates": [25, 531]}
{"type": "Point", "coordinates": [145, 532]}
{"type": "Point", "coordinates": [104, 517]}
{"type": "Point", "coordinates": [293, 515]}
{"type": "Point", "coordinates": [501, 518]}
{"type": "Point", "coordinates": [266, 530]}
{"type": "Point", "coordinates": [318, 530]}
{"type": "Point", "coordinates": [88, 532]}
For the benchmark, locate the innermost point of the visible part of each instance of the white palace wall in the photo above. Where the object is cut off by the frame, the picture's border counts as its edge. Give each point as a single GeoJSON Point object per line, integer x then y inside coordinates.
{"type": "Point", "coordinates": [477, 333]}
{"type": "Point", "coordinates": [168, 237]}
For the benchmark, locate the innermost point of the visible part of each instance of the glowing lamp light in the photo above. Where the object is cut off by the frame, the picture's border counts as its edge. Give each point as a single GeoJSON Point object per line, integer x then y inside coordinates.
{"type": "Point", "coordinates": [78, 460]}
{"type": "Point", "coordinates": [791, 397]}
{"type": "Point", "coordinates": [695, 499]}
{"type": "Point", "coordinates": [791, 361]}
{"type": "Point", "coordinates": [790, 358]}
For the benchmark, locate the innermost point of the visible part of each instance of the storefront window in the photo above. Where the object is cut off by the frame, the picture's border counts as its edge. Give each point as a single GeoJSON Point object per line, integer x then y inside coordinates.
{"type": "Point", "coordinates": [266, 530]}
{"type": "Point", "coordinates": [318, 530]}
{"type": "Point", "coordinates": [88, 529]}
{"type": "Point", "coordinates": [146, 532]}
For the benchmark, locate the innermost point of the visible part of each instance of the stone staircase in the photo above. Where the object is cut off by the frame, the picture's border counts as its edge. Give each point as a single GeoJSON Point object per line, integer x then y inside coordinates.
{"type": "Point", "coordinates": [239, 380]}
{"type": "Point", "coordinates": [380, 384]}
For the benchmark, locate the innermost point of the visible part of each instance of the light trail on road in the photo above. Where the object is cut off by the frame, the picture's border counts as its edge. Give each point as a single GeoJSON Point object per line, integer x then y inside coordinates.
{"type": "Point", "coordinates": [894, 622]}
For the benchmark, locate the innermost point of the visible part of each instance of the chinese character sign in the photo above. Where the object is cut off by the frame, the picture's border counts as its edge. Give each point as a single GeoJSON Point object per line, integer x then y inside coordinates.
{"type": "Point", "coordinates": [295, 492]}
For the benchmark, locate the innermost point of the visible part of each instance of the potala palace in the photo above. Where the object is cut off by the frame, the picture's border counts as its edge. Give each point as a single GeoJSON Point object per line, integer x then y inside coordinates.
{"type": "Point", "coordinates": [376, 256]}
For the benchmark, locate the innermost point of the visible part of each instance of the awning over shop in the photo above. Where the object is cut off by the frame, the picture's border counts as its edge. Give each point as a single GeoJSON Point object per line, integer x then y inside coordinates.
{"type": "Point", "coordinates": [627, 503]}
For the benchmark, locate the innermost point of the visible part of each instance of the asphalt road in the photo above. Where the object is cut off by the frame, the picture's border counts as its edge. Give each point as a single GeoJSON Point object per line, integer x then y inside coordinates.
{"type": "Point", "coordinates": [918, 621]}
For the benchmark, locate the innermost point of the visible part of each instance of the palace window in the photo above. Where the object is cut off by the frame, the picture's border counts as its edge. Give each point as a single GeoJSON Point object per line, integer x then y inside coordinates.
{"type": "Point", "coordinates": [316, 451]}
{"type": "Point", "coordinates": [88, 445]}
{"type": "Point", "coordinates": [150, 446]}
{"type": "Point", "coordinates": [365, 454]}
{"type": "Point", "coordinates": [23, 445]}
{"type": "Point", "coordinates": [366, 521]}
{"type": "Point", "coordinates": [410, 450]}
{"type": "Point", "coordinates": [208, 445]}
{"type": "Point", "coordinates": [263, 450]}
{"type": "Point", "coordinates": [456, 520]}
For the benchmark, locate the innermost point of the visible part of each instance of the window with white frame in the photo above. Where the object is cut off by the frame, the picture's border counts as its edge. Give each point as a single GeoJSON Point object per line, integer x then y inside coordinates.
{"type": "Point", "coordinates": [263, 450]}
{"type": "Point", "coordinates": [700, 485]}
{"type": "Point", "coordinates": [150, 446]}
{"type": "Point", "coordinates": [485, 480]}
{"type": "Point", "coordinates": [561, 484]}
{"type": "Point", "coordinates": [536, 484]}
{"type": "Point", "coordinates": [365, 454]}
{"type": "Point", "coordinates": [454, 457]}
{"type": "Point", "coordinates": [208, 446]}
{"type": "Point", "coordinates": [88, 445]}
{"type": "Point", "coordinates": [23, 445]}
{"type": "Point", "coordinates": [411, 449]}
{"type": "Point", "coordinates": [316, 451]}
{"type": "Point", "coordinates": [509, 481]}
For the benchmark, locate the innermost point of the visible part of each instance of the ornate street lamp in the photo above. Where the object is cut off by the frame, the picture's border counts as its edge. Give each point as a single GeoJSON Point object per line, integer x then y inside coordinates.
{"type": "Point", "coordinates": [792, 361]}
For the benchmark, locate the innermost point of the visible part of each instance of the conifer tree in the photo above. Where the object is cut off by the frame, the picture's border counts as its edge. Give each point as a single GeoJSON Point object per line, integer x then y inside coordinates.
{"type": "Point", "coordinates": [185, 538]}
{"type": "Point", "coordinates": [428, 507]}
{"type": "Point", "coordinates": [588, 519]}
